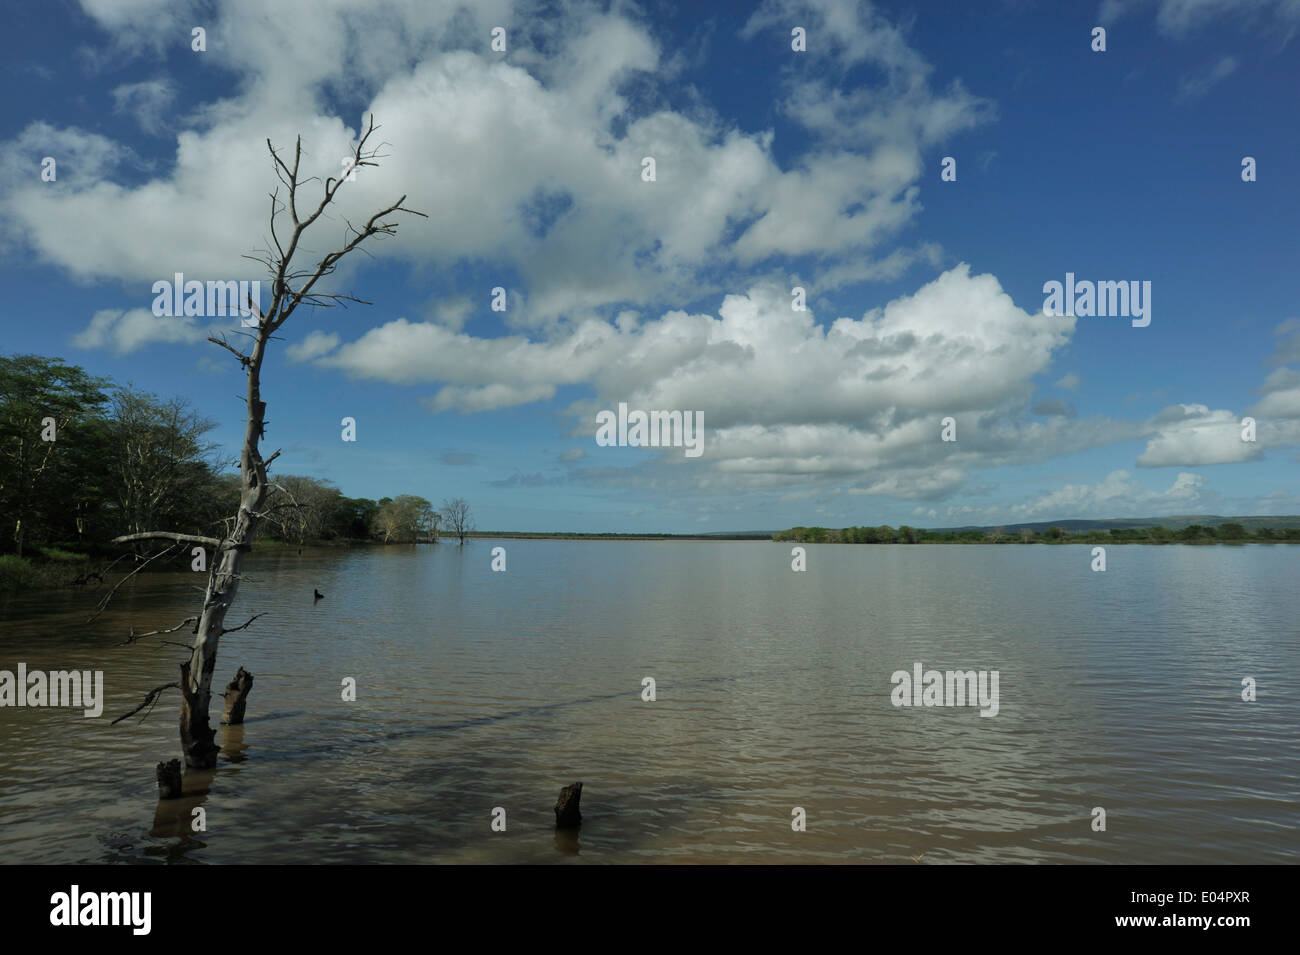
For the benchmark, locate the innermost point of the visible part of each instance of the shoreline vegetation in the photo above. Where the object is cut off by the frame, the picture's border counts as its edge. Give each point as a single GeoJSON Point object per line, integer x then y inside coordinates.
{"type": "Point", "coordinates": [84, 460]}
{"type": "Point", "coordinates": [80, 565]}
{"type": "Point", "coordinates": [1226, 533]}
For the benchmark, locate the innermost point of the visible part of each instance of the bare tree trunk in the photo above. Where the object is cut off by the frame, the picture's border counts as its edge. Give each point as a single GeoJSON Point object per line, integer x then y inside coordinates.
{"type": "Point", "coordinates": [196, 735]}
{"type": "Point", "coordinates": [223, 583]}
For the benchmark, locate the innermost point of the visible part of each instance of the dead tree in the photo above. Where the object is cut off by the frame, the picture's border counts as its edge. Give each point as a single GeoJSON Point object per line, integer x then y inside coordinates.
{"type": "Point", "coordinates": [290, 288]}
{"type": "Point", "coordinates": [456, 515]}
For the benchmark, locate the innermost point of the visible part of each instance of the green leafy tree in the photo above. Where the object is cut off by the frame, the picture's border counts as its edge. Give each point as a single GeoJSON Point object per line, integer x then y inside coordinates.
{"type": "Point", "coordinates": [405, 518]}
{"type": "Point", "coordinates": [354, 517]}
{"type": "Point", "coordinates": [51, 415]}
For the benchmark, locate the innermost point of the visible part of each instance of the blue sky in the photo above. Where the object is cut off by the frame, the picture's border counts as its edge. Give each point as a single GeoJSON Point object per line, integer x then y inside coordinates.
{"type": "Point", "coordinates": [774, 168]}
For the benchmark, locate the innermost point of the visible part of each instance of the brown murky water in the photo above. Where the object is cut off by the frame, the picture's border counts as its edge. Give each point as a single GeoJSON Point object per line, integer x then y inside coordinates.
{"type": "Point", "coordinates": [478, 690]}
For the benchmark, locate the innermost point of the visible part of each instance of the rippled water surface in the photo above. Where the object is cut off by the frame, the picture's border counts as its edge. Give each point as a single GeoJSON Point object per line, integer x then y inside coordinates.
{"type": "Point", "coordinates": [479, 690]}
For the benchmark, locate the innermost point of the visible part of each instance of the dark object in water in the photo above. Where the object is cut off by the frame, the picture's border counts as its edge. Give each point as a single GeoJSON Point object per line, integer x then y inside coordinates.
{"type": "Point", "coordinates": [169, 779]}
{"type": "Point", "coordinates": [567, 815]}
{"type": "Point", "coordinates": [236, 696]}
{"type": "Point", "coordinates": [318, 594]}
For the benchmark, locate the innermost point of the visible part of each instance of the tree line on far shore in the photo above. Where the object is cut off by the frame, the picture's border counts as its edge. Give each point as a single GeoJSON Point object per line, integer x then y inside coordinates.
{"type": "Point", "coordinates": [84, 460]}
{"type": "Point", "coordinates": [1192, 534]}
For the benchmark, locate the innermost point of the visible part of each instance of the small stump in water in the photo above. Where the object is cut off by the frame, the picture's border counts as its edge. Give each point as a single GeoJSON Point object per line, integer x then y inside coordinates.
{"type": "Point", "coordinates": [169, 779]}
{"type": "Point", "coordinates": [567, 815]}
{"type": "Point", "coordinates": [236, 697]}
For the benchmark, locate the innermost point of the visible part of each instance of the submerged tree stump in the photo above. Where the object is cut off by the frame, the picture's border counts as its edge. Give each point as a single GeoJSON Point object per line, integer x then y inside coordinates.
{"type": "Point", "coordinates": [236, 697]}
{"type": "Point", "coordinates": [169, 779]}
{"type": "Point", "coordinates": [567, 815]}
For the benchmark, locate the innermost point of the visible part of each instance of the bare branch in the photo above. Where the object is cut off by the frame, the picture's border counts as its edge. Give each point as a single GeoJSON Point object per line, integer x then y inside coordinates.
{"type": "Point", "coordinates": [288, 177]}
{"type": "Point", "coordinates": [113, 564]}
{"type": "Point", "coordinates": [149, 700]}
{"type": "Point", "coordinates": [275, 206]}
{"type": "Point", "coordinates": [245, 624]}
{"type": "Point", "coordinates": [153, 633]}
{"type": "Point", "coordinates": [83, 579]}
{"type": "Point", "coordinates": [363, 155]}
{"type": "Point", "coordinates": [328, 299]}
{"type": "Point", "coordinates": [266, 513]}
{"type": "Point", "coordinates": [103, 604]}
{"type": "Point", "coordinates": [243, 359]}
{"type": "Point", "coordinates": [373, 227]}
{"type": "Point", "coordinates": [168, 536]}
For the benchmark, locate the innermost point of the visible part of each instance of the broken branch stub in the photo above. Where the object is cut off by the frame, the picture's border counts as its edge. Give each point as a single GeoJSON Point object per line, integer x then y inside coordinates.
{"type": "Point", "coordinates": [169, 779]}
{"type": "Point", "coordinates": [236, 697]}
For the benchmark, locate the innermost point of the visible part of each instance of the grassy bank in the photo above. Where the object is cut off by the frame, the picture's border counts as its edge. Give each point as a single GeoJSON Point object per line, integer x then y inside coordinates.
{"type": "Point", "coordinates": [48, 567]}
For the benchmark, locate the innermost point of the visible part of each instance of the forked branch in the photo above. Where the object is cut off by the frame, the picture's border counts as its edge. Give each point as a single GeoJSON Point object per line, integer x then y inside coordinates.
{"type": "Point", "coordinates": [150, 698]}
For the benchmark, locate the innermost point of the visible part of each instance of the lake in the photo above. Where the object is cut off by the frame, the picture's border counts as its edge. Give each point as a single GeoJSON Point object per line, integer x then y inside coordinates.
{"type": "Point", "coordinates": [477, 690]}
